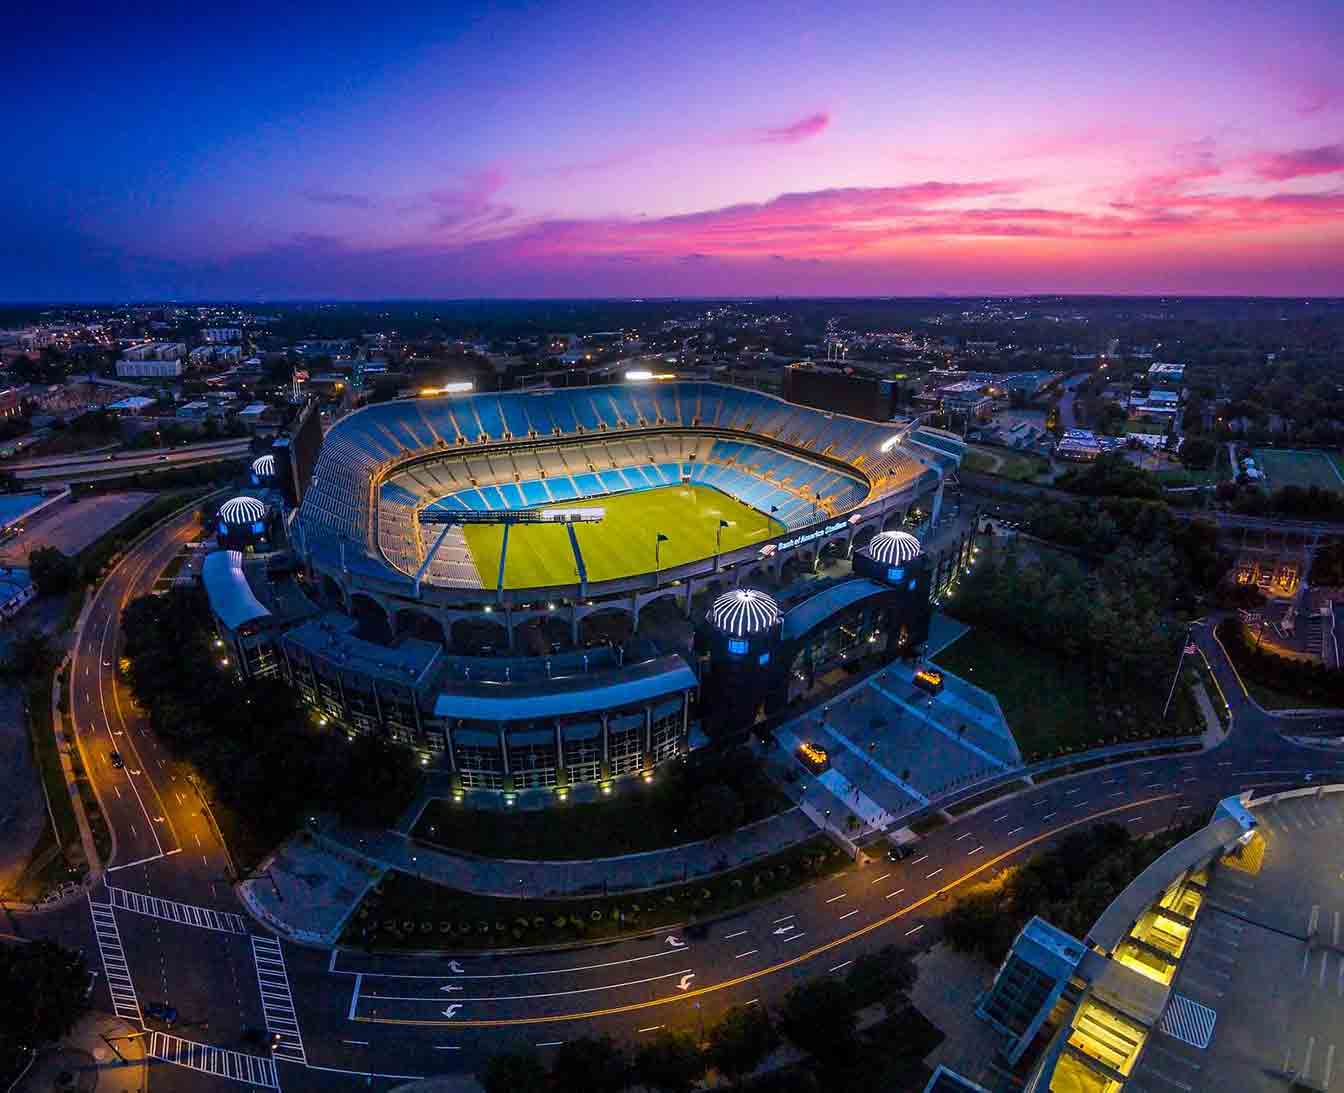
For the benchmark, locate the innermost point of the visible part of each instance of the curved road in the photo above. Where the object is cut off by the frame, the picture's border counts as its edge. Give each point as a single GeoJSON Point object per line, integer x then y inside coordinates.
{"type": "Point", "coordinates": [353, 1018]}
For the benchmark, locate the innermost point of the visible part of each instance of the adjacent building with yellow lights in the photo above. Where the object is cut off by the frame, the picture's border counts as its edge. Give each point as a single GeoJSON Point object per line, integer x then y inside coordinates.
{"type": "Point", "coordinates": [1220, 967]}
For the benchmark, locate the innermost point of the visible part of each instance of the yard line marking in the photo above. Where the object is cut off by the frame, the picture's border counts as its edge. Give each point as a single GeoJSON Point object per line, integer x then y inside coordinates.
{"type": "Point", "coordinates": [847, 915]}
{"type": "Point", "coordinates": [749, 952]}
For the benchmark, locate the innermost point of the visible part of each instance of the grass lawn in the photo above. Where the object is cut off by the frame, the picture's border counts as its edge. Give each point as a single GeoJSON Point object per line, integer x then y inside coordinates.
{"type": "Point", "coordinates": [1046, 705]}
{"type": "Point", "coordinates": [645, 818]}
{"type": "Point", "coordinates": [405, 912]}
{"type": "Point", "coordinates": [1005, 463]}
{"type": "Point", "coordinates": [1299, 468]}
{"type": "Point", "coordinates": [623, 543]}
{"type": "Point", "coordinates": [1277, 700]}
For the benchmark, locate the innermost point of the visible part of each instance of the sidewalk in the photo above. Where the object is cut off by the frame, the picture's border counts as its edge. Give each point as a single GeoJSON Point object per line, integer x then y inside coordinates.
{"type": "Point", "coordinates": [89, 1062]}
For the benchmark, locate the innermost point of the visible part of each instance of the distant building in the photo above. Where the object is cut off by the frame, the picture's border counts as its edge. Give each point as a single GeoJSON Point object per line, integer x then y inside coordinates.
{"type": "Point", "coordinates": [154, 351]}
{"type": "Point", "coordinates": [222, 334]}
{"type": "Point", "coordinates": [135, 404]}
{"type": "Point", "coordinates": [16, 592]}
{"type": "Point", "coordinates": [1169, 376]}
{"type": "Point", "coordinates": [138, 368]}
{"type": "Point", "coordinates": [968, 398]}
{"type": "Point", "coordinates": [194, 411]}
{"type": "Point", "coordinates": [840, 391]}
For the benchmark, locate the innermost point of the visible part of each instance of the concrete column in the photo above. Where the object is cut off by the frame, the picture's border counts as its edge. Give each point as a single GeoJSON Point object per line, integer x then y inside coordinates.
{"type": "Point", "coordinates": [574, 624]}
{"type": "Point", "coordinates": [937, 507]}
{"type": "Point", "coordinates": [504, 748]}
{"type": "Point", "coordinates": [448, 745]}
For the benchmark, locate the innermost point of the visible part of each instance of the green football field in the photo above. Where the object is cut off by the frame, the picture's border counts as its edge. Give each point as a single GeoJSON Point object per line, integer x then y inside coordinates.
{"type": "Point", "coordinates": [621, 545]}
{"type": "Point", "coordinates": [1286, 467]}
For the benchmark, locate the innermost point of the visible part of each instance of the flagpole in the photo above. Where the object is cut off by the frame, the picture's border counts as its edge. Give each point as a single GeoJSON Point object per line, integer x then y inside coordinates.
{"type": "Point", "coordinates": [1171, 693]}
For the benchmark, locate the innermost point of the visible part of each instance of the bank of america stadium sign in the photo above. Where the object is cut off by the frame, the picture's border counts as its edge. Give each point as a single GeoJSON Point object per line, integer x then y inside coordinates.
{"type": "Point", "coordinates": [771, 549]}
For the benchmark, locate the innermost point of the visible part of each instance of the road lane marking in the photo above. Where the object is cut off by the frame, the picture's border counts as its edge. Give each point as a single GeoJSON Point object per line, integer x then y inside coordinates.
{"type": "Point", "coordinates": [354, 997]}
{"type": "Point", "coordinates": [848, 914]}
{"type": "Point", "coordinates": [878, 880]}
{"type": "Point", "coordinates": [749, 952]}
{"type": "Point", "coordinates": [794, 937]}
{"type": "Point", "coordinates": [889, 895]}
{"type": "Point", "coordinates": [834, 898]}
{"type": "Point", "coordinates": [915, 930]}
{"type": "Point", "coordinates": [976, 850]}
{"type": "Point", "coordinates": [791, 962]}
{"type": "Point", "coordinates": [277, 1002]}
{"type": "Point", "coordinates": [934, 873]}
{"type": "Point", "coordinates": [729, 937]}
{"type": "Point", "coordinates": [234, 1065]}
{"type": "Point", "coordinates": [184, 914]}
{"type": "Point", "coordinates": [966, 836]}
{"type": "Point", "coordinates": [115, 969]}
{"type": "Point", "coordinates": [1015, 831]}
{"type": "Point", "coordinates": [1049, 816]}
{"type": "Point", "coordinates": [784, 919]}
{"type": "Point", "coordinates": [456, 975]}
{"type": "Point", "coordinates": [1000, 819]}
{"type": "Point", "coordinates": [924, 857]}
{"type": "Point", "coordinates": [439, 1000]}
{"type": "Point", "coordinates": [846, 964]}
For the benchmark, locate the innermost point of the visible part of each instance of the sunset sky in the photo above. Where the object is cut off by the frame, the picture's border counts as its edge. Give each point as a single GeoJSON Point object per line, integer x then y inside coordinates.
{"type": "Point", "coordinates": [577, 149]}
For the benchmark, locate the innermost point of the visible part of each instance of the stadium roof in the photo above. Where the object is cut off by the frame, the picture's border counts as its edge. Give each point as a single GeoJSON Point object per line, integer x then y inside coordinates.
{"type": "Point", "coordinates": [823, 605]}
{"type": "Point", "coordinates": [242, 510]}
{"type": "Point", "coordinates": [231, 597]}
{"type": "Point", "coordinates": [567, 695]}
{"type": "Point", "coordinates": [893, 547]}
{"type": "Point", "coordinates": [744, 611]}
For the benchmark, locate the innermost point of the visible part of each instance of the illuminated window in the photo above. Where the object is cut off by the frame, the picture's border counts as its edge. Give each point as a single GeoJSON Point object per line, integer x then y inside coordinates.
{"type": "Point", "coordinates": [737, 647]}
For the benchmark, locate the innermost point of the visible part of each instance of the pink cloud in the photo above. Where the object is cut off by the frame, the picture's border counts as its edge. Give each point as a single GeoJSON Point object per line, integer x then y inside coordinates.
{"type": "Point", "coordinates": [1301, 162]}
{"type": "Point", "coordinates": [320, 196]}
{"type": "Point", "coordinates": [796, 132]}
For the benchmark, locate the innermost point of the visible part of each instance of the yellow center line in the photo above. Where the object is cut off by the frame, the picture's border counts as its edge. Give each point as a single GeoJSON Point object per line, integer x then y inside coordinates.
{"type": "Point", "coordinates": [810, 954]}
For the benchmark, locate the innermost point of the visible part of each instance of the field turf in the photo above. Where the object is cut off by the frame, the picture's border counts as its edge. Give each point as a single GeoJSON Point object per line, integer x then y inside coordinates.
{"type": "Point", "coordinates": [621, 545]}
{"type": "Point", "coordinates": [1285, 467]}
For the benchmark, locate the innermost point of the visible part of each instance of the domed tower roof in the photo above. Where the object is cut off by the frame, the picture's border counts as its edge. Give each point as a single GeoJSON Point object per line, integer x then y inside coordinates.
{"type": "Point", "coordinates": [744, 611]}
{"type": "Point", "coordinates": [893, 547]}
{"type": "Point", "coordinates": [264, 466]}
{"type": "Point", "coordinates": [241, 511]}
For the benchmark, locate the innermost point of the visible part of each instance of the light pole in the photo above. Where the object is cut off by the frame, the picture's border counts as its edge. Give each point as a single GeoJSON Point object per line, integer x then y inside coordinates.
{"type": "Point", "coordinates": [658, 542]}
{"type": "Point", "coordinates": [718, 542]}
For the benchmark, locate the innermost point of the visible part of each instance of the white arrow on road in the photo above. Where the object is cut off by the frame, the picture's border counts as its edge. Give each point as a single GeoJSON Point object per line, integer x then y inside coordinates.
{"type": "Point", "coordinates": [450, 988]}
{"type": "Point", "coordinates": [685, 981]}
{"type": "Point", "coordinates": [675, 941]}
{"type": "Point", "coordinates": [455, 967]}
{"type": "Point", "coordinates": [452, 1010]}
{"type": "Point", "coordinates": [785, 929]}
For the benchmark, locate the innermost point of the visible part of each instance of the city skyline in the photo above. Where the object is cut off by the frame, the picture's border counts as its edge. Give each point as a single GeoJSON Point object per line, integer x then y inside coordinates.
{"type": "Point", "coordinates": [599, 151]}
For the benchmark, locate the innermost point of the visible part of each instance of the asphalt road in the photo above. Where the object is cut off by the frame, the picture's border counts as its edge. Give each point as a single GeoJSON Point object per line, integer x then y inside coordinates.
{"type": "Point", "coordinates": [80, 468]}
{"type": "Point", "coordinates": [354, 1018]}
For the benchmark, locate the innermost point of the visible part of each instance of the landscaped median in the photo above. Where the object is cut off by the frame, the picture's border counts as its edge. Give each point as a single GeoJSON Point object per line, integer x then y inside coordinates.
{"type": "Point", "coordinates": [1278, 682]}
{"type": "Point", "coordinates": [680, 806]}
{"type": "Point", "coordinates": [404, 912]}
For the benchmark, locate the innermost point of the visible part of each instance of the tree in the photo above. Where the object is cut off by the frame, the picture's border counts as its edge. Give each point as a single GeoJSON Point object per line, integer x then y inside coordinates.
{"type": "Point", "coordinates": [381, 778]}
{"type": "Point", "coordinates": [741, 1041]}
{"type": "Point", "coordinates": [590, 1064]}
{"type": "Point", "coordinates": [52, 571]}
{"type": "Point", "coordinates": [716, 808]}
{"type": "Point", "coordinates": [31, 655]}
{"type": "Point", "coordinates": [1199, 452]}
{"type": "Point", "coordinates": [513, 1072]}
{"type": "Point", "coordinates": [671, 1062]}
{"type": "Point", "coordinates": [818, 1018]}
{"type": "Point", "coordinates": [881, 976]}
{"type": "Point", "coordinates": [45, 988]}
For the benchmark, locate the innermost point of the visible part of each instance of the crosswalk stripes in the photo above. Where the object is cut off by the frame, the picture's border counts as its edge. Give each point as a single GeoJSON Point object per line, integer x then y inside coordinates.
{"type": "Point", "coordinates": [255, 1070]}
{"type": "Point", "coordinates": [1188, 1021]}
{"type": "Point", "coordinates": [185, 913]}
{"type": "Point", "coordinates": [119, 985]}
{"type": "Point", "coordinates": [277, 1003]}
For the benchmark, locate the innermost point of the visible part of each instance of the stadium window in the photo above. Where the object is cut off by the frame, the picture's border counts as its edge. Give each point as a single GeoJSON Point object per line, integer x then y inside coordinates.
{"type": "Point", "coordinates": [895, 574]}
{"type": "Point", "coordinates": [737, 647]}
{"type": "Point", "coordinates": [764, 658]}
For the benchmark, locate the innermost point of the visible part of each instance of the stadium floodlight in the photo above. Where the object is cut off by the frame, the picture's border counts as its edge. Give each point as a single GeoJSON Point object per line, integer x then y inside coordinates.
{"type": "Point", "coordinates": [460, 387]}
{"type": "Point", "coordinates": [639, 374]}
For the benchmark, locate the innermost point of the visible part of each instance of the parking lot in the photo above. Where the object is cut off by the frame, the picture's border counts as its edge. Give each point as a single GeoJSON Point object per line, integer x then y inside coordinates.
{"type": "Point", "coordinates": [72, 525]}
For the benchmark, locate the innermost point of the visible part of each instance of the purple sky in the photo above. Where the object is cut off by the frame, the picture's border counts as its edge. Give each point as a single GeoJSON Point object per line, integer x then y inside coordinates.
{"type": "Point", "coordinates": [636, 149]}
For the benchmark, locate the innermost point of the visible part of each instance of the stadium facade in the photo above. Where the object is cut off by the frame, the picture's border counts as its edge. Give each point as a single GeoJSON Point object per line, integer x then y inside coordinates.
{"type": "Point", "coordinates": [409, 635]}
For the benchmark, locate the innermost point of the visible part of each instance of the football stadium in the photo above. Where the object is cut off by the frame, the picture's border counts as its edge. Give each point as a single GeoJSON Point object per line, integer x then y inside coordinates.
{"type": "Point", "coordinates": [539, 589]}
